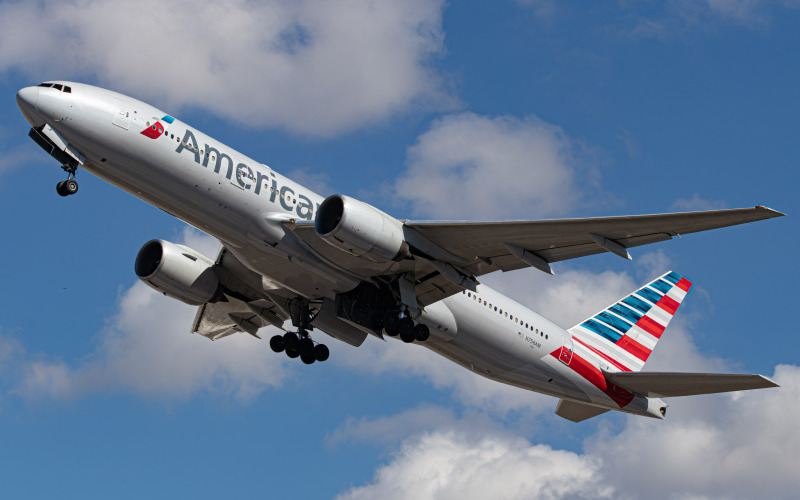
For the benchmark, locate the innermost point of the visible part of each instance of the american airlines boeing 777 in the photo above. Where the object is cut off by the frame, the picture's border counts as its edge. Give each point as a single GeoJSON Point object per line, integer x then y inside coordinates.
{"type": "Point", "coordinates": [300, 262]}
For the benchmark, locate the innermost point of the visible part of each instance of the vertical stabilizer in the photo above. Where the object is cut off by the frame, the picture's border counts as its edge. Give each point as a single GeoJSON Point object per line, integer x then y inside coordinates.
{"type": "Point", "coordinates": [624, 334]}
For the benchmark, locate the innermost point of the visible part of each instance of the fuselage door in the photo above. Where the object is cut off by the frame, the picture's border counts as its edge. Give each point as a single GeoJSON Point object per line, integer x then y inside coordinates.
{"type": "Point", "coordinates": [122, 114]}
{"type": "Point", "coordinates": [566, 351]}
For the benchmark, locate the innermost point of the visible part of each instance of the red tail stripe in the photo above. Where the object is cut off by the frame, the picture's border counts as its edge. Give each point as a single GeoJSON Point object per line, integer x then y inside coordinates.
{"type": "Point", "coordinates": [603, 355]}
{"type": "Point", "coordinates": [591, 373]}
{"type": "Point", "coordinates": [650, 326]}
{"type": "Point", "coordinates": [668, 304]}
{"type": "Point", "coordinates": [634, 348]}
{"type": "Point", "coordinates": [684, 284]}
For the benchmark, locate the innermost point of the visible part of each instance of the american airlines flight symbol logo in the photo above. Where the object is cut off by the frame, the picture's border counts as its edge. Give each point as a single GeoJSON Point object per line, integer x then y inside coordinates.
{"type": "Point", "coordinates": [155, 130]}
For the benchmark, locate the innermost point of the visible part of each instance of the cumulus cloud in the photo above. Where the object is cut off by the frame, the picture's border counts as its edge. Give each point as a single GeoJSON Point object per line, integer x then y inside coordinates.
{"type": "Point", "coordinates": [147, 349]}
{"type": "Point", "coordinates": [724, 446]}
{"type": "Point", "coordinates": [315, 67]}
{"type": "Point", "coordinates": [470, 166]}
{"type": "Point", "coordinates": [447, 464]}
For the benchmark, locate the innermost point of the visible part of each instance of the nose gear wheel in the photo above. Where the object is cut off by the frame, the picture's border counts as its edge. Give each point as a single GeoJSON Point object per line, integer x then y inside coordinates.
{"type": "Point", "coordinates": [69, 186]}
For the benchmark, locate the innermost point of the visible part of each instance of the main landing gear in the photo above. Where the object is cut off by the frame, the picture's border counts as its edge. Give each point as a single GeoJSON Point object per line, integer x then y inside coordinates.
{"type": "Point", "coordinates": [69, 186]}
{"type": "Point", "coordinates": [300, 344]}
{"type": "Point", "coordinates": [397, 323]}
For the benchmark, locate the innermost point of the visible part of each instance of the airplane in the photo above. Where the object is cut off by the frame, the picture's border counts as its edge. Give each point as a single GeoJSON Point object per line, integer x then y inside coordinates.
{"type": "Point", "coordinates": [292, 259]}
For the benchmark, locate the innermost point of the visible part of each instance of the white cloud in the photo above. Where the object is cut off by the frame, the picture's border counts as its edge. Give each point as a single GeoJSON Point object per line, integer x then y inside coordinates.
{"type": "Point", "coordinates": [696, 202]}
{"type": "Point", "coordinates": [458, 465]}
{"type": "Point", "coordinates": [384, 430]}
{"type": "Point", "coordinates": [726, 446]}
{"type": "Point", "coordinates": [469, 166]}
{"type": "Point", "coordinates": [20, 155]}
{"type": "Point", "coordinates": [148, 350]}
{"type": "Point", "coordinates": [668, 19]}
{"type": "Point", "coordinates": [316, 67]}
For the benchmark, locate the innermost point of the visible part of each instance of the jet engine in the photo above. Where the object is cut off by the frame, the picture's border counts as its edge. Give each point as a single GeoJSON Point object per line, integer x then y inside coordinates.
{"type": "Point", "coordinates": [177, 271]}
{"type": "Point", "coordinates": [360, 229]}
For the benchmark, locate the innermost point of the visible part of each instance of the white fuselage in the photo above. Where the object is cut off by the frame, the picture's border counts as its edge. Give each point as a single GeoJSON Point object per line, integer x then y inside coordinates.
{"type": "Point", "coordinates": [245, 204]}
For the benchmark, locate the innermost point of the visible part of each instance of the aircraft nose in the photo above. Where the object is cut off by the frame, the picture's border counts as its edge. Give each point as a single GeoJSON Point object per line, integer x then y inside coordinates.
{"type": "Point", "coordinates": [26, 101]}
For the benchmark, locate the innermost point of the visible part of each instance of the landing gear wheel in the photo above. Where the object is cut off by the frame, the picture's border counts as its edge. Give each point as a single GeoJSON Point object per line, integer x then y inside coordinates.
{"type": "Point", "coordinates": [421, 332]}
{"type": "Point", "coordinates": [306, 348]}
{"type": "Point", "coordinates": [307, 358]}
{"type": "Point", "coordinates": [71, 186]}
{"type": "Point", "coordinates": [292, 353]}
{"type": "Point", "coordinates": [407, 329]}
{"type": "Point", "coordinates": [321, 352]}
{"type": "Point", "coordinates": [290, 341]}
{"type": "Point", "coordinates": [407, 336]}
{"type": "Point", "coordinates": [276, 343]}
{"type": "Point", "coordinates": [60, 189]}
{"type": "Point", "coordinates": [391, 323]}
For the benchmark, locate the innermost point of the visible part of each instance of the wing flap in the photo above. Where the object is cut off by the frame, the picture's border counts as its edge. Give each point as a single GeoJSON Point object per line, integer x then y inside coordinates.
{"type": "Point", "coordinates": [215, 320]}
{"type": "Point", "coordinates": [577, 412]}
{"type": "Point", "coordinates": [664, 384]}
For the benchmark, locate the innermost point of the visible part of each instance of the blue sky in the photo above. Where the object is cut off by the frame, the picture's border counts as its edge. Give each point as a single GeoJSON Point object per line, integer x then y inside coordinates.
{"type": "Point", "coordinates": [468, 110]}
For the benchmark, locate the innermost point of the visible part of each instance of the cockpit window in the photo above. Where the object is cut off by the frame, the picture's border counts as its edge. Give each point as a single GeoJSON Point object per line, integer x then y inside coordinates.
{"type": "Point", "coordinates": [63, 88]}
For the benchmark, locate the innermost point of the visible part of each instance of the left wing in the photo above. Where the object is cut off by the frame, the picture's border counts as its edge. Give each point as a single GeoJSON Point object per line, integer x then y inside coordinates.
{"type": "Point", "coordinates": [449, 256]}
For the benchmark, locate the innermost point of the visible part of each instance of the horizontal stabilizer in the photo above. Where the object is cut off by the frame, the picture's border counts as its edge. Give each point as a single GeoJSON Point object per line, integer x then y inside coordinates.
{"type": "Point", "coordinates": [577, 412]}
{"type": "Point", "coordinates": [665, 385]}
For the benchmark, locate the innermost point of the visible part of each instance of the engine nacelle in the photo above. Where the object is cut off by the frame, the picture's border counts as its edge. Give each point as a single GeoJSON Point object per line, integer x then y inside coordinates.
{"type": "Point", "coordinates": [360, 229]}
{"type": "Point", "coordinates": [177, 271]}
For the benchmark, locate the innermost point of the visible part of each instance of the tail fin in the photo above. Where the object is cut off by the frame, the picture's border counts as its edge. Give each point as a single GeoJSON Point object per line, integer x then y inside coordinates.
{"type": "Point", "coordinates": [625, 333]}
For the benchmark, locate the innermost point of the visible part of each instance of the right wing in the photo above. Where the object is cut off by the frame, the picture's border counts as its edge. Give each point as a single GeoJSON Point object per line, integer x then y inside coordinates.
{"type": "Point", "coordinates": [238, 311]}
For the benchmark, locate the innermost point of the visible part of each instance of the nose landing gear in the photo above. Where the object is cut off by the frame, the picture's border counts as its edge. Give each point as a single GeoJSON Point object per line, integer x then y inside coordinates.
{"type": "Point", "coordinates": [69, 186]}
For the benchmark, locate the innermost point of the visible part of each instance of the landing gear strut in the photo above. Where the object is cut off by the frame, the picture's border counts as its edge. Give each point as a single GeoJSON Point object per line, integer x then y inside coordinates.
{"type": "Point", "coordinates": [69, 186]}
{"type": "Point", "coordinates": [300, 344]}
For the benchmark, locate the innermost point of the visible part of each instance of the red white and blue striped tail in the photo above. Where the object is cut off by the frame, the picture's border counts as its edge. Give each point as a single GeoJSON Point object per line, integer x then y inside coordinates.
{"type": "Point", "coordinates": [624, 334]}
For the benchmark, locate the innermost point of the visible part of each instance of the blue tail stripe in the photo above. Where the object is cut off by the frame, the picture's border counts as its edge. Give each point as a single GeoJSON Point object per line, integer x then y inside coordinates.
{"type": "Point", "coordinates": [673, 277]}
{"type": "Point", "coordinates": [661, 286]}
{"type": "Point", "coordinates": [649, 294]}
{"type": "Point", "coordinates": [626, 313]}
{"type": "Point", "coordinates": [637, 303]}
{"type": "Point", "coordinates": [613, 322]}
{"type": "Point", "coordinates": [601, 330]}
